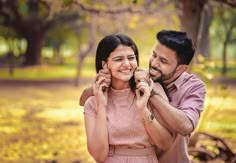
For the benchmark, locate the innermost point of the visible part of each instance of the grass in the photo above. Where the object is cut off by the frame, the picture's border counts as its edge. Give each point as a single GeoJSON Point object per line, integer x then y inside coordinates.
{"type": "Point", "coordinates": [218, 117]}
{"type": "Point", "coordinates": [49, 72]}
{"type": "Point", "coordinates": [41, 123]}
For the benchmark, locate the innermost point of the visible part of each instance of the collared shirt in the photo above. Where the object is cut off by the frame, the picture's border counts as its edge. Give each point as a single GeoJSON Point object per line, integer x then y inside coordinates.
{"type": "Point", "coordinates": [186, 93]}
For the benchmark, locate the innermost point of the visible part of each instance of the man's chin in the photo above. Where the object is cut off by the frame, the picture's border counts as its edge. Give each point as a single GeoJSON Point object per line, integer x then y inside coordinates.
{"type": "Point", "coordinates": [156, 78]}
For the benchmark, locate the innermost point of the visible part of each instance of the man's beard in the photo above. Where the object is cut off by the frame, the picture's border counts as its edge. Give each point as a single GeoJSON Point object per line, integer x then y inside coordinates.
{"type": "Point", "coordinates": [163, 77]}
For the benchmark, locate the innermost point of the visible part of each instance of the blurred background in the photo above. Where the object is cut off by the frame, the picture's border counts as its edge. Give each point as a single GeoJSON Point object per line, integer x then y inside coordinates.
{"type": "Point", "coordinates": [47, 51]}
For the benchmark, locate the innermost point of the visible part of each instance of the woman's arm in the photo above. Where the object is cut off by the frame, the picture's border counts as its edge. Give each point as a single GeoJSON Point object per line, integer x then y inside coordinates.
{"type": "Point", "coordinates": [97, 136]}
{"type": "Point", "coordinates": [96, 128]}
{"type": "Point", "coordinates": [162, 137]}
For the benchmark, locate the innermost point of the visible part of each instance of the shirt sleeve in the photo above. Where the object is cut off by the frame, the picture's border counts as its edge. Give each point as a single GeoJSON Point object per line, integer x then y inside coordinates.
{"type": "Point", "coordinates": [160, 90]}
{"type": "Point", "coordinates": [193, 103]}
{"type": "Point", "coordinates": [90, 107]}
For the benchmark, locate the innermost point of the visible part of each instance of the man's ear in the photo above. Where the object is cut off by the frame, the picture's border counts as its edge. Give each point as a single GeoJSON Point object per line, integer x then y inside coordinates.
{"type": "Point", "coordinates": [182, 68]}
{"type": "Point", "coordinates": [104, 65]}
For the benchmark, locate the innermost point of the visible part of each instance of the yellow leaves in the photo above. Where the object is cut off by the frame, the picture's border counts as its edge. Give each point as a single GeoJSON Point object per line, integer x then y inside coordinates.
{"type": "Point", "coordinates": [209, 76]}
{"type": "Point", "coordinates": [61, 115]}
{"type": "Point", "coordinates": [204, 67]}
{"type": "Point", "coordinates": [200, 58]}
{"type": "Point", "coordinates": [133, 22]}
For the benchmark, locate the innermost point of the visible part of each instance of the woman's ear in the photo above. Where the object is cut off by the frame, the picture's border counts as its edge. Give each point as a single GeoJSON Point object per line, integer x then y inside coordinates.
{"type": "Point", "coordinates": [104, 65]}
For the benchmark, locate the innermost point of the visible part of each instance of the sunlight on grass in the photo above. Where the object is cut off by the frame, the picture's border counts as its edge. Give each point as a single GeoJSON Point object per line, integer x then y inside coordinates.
{"type": "Point", "coordinates": [219, 112]}
{"type": "Point", "coordinates": [62, 114]}
{"type": "Point", "coordinates": [42, 123]}
{"type": "Point", "coordinates": [39, 73]}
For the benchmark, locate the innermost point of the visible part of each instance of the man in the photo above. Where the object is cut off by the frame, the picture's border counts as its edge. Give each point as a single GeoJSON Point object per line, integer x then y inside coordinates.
{"type": "Point", "coordinates": [168, 65]}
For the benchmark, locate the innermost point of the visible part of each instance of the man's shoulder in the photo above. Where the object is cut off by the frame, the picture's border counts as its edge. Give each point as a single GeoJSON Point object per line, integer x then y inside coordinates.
{"type": "Point", "coordinates": [192, 79]}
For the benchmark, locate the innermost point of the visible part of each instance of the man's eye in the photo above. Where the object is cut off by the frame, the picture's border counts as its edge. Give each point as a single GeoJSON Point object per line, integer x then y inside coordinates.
{"type": "Point", "coordinates": [164, 61]}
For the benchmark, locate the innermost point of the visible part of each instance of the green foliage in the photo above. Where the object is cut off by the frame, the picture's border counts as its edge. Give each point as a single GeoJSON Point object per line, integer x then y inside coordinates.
{"type": "Point", "coordinates": [26, 10]}
{"type": "Point", "coordinates": [223, 18]}
{"type": "Point", "coordinates": [67, 2]}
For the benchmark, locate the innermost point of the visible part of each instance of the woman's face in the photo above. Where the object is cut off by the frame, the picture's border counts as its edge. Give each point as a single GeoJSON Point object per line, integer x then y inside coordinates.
{"type": "Point", "coordinates": [122, 64]}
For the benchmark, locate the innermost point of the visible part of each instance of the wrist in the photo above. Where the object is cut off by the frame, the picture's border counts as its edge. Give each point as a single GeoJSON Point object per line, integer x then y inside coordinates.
{"type": "Point", "coordinates": [153, 92]}
{"type": "Point", "coordinates": [149, 118]}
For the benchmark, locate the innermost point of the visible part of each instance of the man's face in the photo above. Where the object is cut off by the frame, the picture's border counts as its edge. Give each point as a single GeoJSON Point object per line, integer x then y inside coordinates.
{"type": "Point", "coordinates": [163, 64]}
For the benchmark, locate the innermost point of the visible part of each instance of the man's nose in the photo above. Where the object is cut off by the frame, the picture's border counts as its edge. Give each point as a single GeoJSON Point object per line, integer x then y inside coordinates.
{"type": "Point", "coordinates": [156, 62]}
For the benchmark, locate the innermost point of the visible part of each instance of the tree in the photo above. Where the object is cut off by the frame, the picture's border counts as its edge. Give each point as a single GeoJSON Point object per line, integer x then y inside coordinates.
{"type": "Point", "coordinates": [31, 19]}
{"type": "Point", "coordinates": [203, 39]}
{"type": "Point", "coordinates": [192, 16]}
{"type": "Point", "coordinates": [227, 21]}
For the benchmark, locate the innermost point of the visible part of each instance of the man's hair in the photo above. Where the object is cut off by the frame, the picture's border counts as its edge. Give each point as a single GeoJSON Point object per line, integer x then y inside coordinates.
{"type": "Point", "coordinates": [178, 41]}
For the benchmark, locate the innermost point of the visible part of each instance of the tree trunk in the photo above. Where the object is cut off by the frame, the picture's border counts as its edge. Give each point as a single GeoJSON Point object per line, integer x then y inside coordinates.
{"type": "Point", "coordinates": [84, 52]}
{"type": "Point", "coordinates": [190, 20]}
{"type": "Point", "coordinates": [226, 42]}
{"type": "Point", "coordinates": [203, 39]}
{"type": "Point", "coordinates": [191, 17]}
{"type": "Point", "coordinates": [34, 46]}
{"type": "Point", "coordinates": [224, 59]}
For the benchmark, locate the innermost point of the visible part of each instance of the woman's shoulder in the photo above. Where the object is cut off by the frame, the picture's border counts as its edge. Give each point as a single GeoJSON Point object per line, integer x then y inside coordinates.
{"type": "Point", "coordinates": [90, 101]}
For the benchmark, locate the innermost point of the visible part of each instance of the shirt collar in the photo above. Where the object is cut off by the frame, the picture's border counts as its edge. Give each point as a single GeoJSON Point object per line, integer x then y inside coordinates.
{"type": "Point", "coordinates": [177, 82]}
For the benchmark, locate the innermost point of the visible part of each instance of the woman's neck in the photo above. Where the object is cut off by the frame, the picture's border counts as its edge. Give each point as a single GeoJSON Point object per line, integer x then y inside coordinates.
{"type": "Point", "coordinates": [118, 85]}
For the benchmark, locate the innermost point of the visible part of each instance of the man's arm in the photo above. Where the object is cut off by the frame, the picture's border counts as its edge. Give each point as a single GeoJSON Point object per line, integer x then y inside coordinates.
{"type": "Point", "coordinates": [183, 119]}
{"type": "Point", "coordinates": [175, 119]}
{"type": "Point", "coordinates": [87, 92]}
{"type": "Point", "coordinates": [103, 75]}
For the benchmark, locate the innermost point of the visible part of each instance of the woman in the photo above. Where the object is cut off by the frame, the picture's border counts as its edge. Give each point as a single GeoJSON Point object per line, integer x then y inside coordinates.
{"type": "Point", "coordinates": [119, 125]}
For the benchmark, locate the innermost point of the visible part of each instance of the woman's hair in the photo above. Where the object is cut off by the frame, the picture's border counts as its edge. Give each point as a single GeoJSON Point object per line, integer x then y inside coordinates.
{"type": "Point", "coordinates": [178, 41]}
{"type": "Point", "coordinates": [108, 44]}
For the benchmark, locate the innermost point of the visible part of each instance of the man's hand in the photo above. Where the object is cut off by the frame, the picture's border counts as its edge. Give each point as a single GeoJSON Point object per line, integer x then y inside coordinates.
{"type": "Point", "coordinates": [103, 77]}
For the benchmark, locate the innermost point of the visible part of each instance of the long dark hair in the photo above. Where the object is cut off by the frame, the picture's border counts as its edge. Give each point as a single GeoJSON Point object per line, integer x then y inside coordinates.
{"type": "Point", "coordinates": [108, 44]}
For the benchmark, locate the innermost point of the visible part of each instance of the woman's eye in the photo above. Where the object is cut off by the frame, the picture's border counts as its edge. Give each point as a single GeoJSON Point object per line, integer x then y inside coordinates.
{"type": "Point", "coordinates": [118, 60]}
{"type": "Point", "coordinates": [131, 58]}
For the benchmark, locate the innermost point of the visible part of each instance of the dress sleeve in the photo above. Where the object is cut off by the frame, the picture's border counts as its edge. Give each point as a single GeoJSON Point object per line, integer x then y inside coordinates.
{"type": "Point", "coordinates": [90, 107]}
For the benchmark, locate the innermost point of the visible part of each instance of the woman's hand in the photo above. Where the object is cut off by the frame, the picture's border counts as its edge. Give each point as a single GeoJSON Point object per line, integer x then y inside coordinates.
{"type": "Point", "coordinates": [143, 92]}
{"type": "Point", "coordinates": [100, 91]}
{"type": "Point", "coordinates": [141, 75]}
{"type": "Point", "coordinates": [105, 75]}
